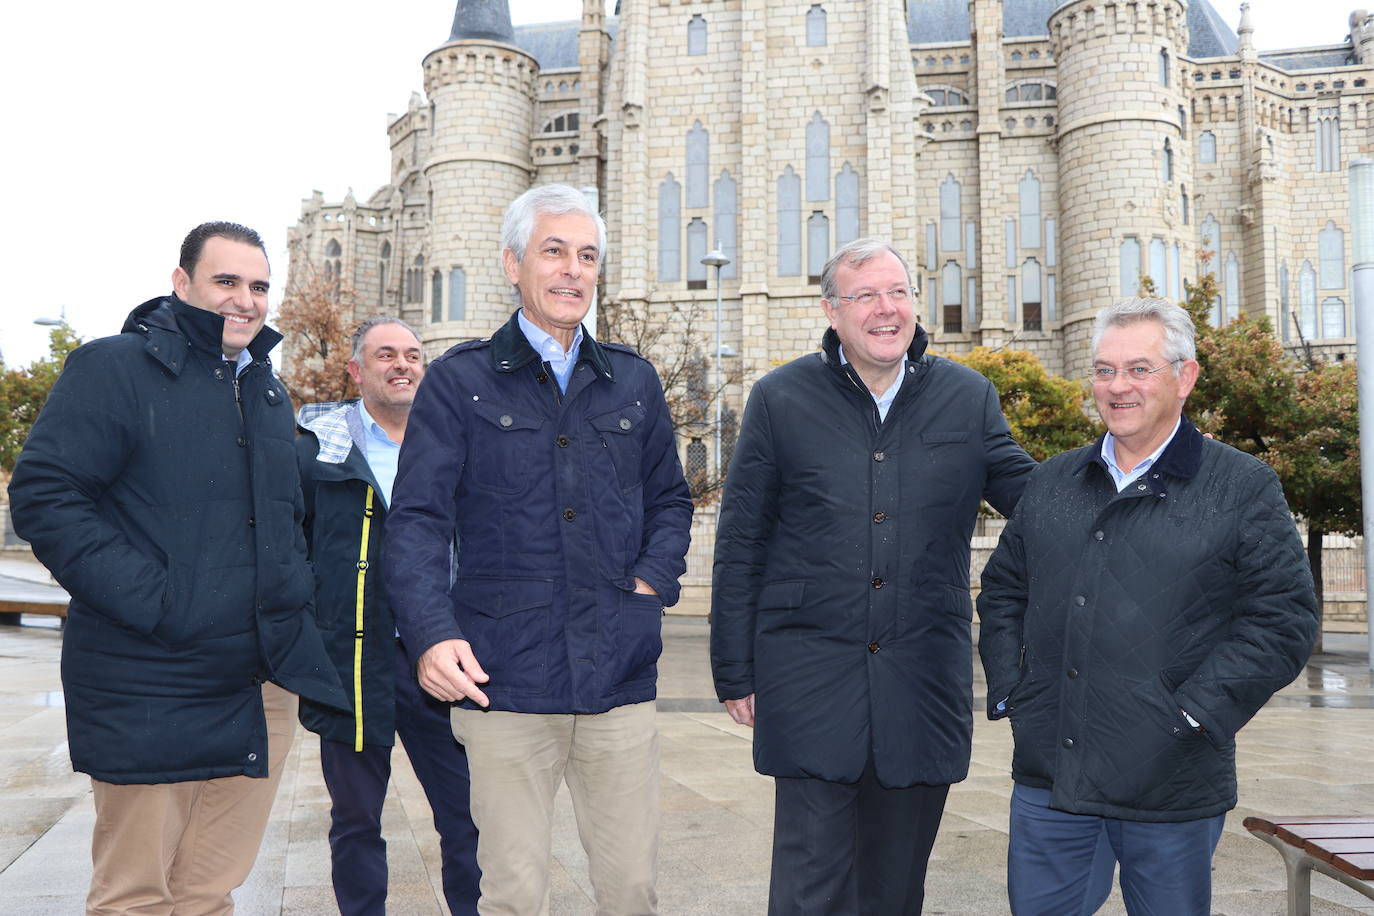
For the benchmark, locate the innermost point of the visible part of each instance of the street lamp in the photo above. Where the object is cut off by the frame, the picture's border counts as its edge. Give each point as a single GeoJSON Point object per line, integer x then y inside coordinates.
{"type": "Point", "coordinates": [50, 322]}
{"type": "Point", "coordinates": [1362, 287]}
{"type": "Point", "coordinates": [717, 259]}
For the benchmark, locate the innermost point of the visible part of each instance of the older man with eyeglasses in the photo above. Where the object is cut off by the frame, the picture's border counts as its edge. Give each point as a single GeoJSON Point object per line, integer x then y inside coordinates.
{"type": "Point", "coordinates": [1149, 596]}
{"type": "Point", "coordinates": [841, 612]}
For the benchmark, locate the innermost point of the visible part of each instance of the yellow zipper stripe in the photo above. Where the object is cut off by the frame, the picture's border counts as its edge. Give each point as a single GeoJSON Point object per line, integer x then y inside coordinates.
{"type": "Point", "coordinates": [358, 625]}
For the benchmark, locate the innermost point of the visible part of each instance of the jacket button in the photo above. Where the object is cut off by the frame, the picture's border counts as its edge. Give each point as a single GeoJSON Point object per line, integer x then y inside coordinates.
{"type": "Point", "coordinates": [1068, 742]}
{"type": "Point", "coordinates": [874, 647]}
{"type": "Point", "coordinates": [569, 514]}
{"type": "Point", "coordinates": [219, 372]}
{"type": "Point", "coordinates": [362, 564]}
{"type": "Point", "coordinates": [242, 442]}
{"type": "Point", "coordinates": [1142, 486]}
{"type": "Point", "coordinates": [506, 420]}
{"type": "Point", "coordinates": [878, 456]}
{"type": "Point", "coordinates": [877, 582]}
{"type": "Point", "coordinates": [252, 522]}
{"type": "Point", "coordinates": [1079, 600]}
{"type": "Point", "coordinates": [879, 517]}
{"type": "Point", "coordinates": [1073, 673]}
{"type": "Point", "coordinates": [625, 423]}
{"type": "Point", "coordinates": [1098, 535]}
{"type": "Point", "coordinates": [542, 378]}
{"type": "Point", "coordinates": [562, 441]}
{"type": "Point", "coordinates": [252, 757]}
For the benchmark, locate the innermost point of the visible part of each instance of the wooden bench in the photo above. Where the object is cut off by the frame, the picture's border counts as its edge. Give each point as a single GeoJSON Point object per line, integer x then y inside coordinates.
{"type": "Point", "coordinates": [24, 596]}
{"type": "Point", "coordinates": [1340, 847]}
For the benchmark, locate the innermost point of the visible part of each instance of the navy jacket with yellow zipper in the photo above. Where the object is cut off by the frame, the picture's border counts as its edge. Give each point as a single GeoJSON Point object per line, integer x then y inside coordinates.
{"type": "Point", "coordinates": [345, 515]}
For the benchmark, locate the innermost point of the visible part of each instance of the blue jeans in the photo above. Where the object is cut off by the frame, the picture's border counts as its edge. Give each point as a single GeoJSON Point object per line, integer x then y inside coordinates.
{"type": "Point", "coordinates": [357, 782]}
{"type": "Point", "coordinates": [1061, 864]}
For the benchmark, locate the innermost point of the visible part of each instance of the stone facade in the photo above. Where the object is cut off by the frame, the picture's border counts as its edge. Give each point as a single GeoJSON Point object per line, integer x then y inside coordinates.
{"type": "Point", "coordinates": [1032, 158]}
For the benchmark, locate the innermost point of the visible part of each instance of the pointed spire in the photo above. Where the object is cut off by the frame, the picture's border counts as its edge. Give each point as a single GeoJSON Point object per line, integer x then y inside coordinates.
{"type": "Point", "coordinates": [488, 20]}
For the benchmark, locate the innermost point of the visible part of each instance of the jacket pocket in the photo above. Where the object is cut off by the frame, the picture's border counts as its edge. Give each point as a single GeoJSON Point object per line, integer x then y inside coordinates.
{"type": "Point", "coordinates": [782, 595]}
{"type": "Point", "coordinates": [497, 456]}
{"type": "Point", "coordinates": [506, 622]}
{"type": "Point", "coordinates": [619, 432]}
{"type": "Point", "coordinates": [633, 654]}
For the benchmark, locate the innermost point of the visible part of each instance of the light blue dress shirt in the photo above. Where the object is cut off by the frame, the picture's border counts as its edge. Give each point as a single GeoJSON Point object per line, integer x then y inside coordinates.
{"type": "Point", "coordinates": [381, 453]}
{"type": "Point", "coordinates": [551, 351]}
{"type": "Point", "coordinates": [1123, 478]}
{"type": "Point", "coordinates": [884, 400]}
{"type": "Point", "coordinates": [241, 363]}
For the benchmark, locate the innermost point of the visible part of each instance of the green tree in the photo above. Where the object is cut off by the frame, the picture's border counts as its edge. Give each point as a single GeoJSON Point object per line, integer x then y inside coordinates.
{"type": "Point", "coordinates": [1047, 413]}
{"type": "Point", "coordinates": [1317, 456]}
{"type": "Point", "coordinates": [1300, 418]}
{"type": "Point", "coordinates": [23, 392]}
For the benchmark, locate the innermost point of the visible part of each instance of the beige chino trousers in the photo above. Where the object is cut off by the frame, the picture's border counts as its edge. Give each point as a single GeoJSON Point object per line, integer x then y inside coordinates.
{"type": "Point", "coordinates": [610, 762]}
{"type": "Point", "coordinates": [182, 847]}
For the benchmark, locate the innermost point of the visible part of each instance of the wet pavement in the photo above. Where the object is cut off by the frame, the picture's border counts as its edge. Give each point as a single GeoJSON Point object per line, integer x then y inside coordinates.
{"type": "Point", "coordinates": [1310, 751]}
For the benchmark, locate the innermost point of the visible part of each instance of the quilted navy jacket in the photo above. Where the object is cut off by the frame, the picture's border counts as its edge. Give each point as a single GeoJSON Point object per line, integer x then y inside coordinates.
{"type": "Point", "coordinates": [170, 510]}
{"type": "Point", "coordinates": [1104, 614]}
{"type": "Point", "coordinates": [841, 591]}
{"type": "Point", "coordinates": [558, 501]}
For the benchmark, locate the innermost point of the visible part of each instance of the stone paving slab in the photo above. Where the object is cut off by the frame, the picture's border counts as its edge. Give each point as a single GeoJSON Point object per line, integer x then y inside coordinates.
{"type": "Point", "coordinates": [1309, 751]}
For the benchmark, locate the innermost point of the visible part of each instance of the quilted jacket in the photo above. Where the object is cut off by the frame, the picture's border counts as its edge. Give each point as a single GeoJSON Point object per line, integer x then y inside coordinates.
{"type": "Point", "coordinates": [1105, 615]}
{"type": "Point", "coordinates": [841, 596]}
{"type": "Point", "coordinates": [164, 497]}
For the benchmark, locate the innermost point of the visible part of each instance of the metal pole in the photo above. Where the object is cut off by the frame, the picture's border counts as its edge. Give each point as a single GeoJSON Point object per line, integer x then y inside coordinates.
{"type": "Point", "coordinates": [1362, 244]}
{"type": "Point", "coordinates": [720, 472]}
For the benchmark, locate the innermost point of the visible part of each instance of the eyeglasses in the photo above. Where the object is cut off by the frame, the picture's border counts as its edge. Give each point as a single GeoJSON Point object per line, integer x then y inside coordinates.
{"type": "Point", "coordinates": [897, 296]}
{"type": "Point", "coordinates": [1104, 375]}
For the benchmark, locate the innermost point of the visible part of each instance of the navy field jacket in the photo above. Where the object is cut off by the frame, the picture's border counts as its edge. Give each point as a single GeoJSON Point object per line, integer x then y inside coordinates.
{"type": "Point", "coordinates": [558, 501]}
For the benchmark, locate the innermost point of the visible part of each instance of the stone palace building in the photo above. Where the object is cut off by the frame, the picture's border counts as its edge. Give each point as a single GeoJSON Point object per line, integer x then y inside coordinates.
{"type": "Point", "coordinates": [1033, 159]}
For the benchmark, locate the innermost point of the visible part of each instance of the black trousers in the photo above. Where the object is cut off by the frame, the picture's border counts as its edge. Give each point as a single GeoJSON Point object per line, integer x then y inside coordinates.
{"type": "Point", "coordinates": [852, 849]}
{"type": "Point", "coordinates": [357, 783]}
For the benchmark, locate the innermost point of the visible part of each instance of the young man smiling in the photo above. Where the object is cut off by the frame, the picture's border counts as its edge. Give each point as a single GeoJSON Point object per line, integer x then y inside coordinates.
{"type": "Point", "coordinates": [159, 487]}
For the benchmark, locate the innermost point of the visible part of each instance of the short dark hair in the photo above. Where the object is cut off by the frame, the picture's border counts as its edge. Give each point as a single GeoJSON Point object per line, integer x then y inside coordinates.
{"type": "Point", "coordinates": [361, 332]}
{"type": "Point", "coordinates": [195, 240]}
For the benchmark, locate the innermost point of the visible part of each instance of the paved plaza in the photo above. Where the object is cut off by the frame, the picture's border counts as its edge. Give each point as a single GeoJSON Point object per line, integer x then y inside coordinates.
{"type": "Point", "coordinates": [1311, 751]}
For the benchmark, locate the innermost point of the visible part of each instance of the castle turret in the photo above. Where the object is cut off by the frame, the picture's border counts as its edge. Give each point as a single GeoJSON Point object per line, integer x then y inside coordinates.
{"type": "Point", "coordinates": [1122, 161]}
{"type": "Point", "coordinates": [480, 87]}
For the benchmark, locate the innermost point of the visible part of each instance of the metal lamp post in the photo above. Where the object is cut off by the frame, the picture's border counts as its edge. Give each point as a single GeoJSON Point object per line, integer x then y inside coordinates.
{"type": "Point", "coordinates": [1362, 244]}
{"type": "Point", "coordinates": [717, 259]}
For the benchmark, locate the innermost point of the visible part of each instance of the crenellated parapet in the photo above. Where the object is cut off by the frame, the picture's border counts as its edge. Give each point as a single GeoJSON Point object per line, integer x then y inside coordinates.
{"type": "Point", "coordinates": [1087, 20]}
{"type": "Point", "coordinates": [480, 63]}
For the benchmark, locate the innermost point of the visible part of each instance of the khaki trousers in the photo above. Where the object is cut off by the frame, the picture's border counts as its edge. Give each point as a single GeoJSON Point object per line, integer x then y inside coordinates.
{"type": "Point", "coordinates": [610, 761]}
{"type": "Point", "coordinates": [181, 847]}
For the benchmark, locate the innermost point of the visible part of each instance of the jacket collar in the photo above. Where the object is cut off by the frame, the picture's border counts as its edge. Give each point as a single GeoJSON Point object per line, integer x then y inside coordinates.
{"type": "Point", "coordinates": [172, 325]}
{"type": "Point", "coordinates": [1181, 458]}
{"type": "Point", "coordinates": [511, 350]}
{"type": "Point", "coordinates": [830, 347]}
{"type": "Point", "coordinates": [339, 451]}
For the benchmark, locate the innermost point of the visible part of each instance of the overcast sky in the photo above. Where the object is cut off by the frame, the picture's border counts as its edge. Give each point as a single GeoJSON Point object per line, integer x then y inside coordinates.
{"type": "Point", "coordinates": [129, 123]}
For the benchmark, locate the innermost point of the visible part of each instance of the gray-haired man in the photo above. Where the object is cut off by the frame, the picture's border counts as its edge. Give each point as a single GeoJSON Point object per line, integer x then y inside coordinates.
{"type": "Point", "coordinates": [1148, 597]}
{"type": "Point", "coordinates": [551, 457]}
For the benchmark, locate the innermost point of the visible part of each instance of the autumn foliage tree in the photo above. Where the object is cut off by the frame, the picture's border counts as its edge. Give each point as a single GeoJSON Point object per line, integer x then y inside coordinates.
{"type": "Point", "coordinates": [316, 318]}
{"type": "Point", "coordinates": [24, 391]}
